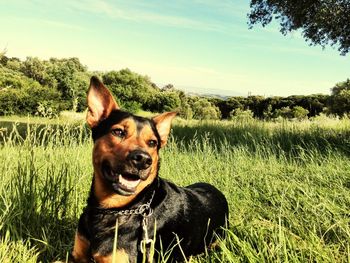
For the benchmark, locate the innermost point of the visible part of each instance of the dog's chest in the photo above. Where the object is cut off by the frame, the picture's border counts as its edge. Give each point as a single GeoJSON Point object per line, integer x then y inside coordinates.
{"type": "Point", "coordinates": [105, 227]}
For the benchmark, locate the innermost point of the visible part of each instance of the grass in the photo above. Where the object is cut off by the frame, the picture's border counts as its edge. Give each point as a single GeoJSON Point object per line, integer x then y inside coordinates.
{"type": "Point", "coordinates": [287, 184]}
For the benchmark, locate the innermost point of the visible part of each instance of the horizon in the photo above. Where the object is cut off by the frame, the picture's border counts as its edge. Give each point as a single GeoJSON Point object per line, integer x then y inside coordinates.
{"type": "Point", "coordinates": [201, 46]}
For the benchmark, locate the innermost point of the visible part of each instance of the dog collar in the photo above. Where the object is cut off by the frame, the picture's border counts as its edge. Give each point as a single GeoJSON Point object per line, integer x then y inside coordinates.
{"type": "Point", "coordinates": [144, 209]}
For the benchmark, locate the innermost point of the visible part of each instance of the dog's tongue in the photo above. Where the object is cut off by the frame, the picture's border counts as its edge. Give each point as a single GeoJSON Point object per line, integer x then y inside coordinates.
{"type": "Point", "coordinates": [128, 182]}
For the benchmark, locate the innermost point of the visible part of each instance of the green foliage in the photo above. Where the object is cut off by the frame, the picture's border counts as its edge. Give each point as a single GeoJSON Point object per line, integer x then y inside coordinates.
{"type": "Point", "coordinates": [131, 106]}
{"type": "Point", "coordinates": [204, 110]}
{"type": "Point", "coordinates": [227, 106]}
{"type": "Point", "coordinates": [66, 81]}
{"type": "Point", "coordinates": [22, 95]}
{"type": "Point", "coordinates": [299, 113]}
{"type": "Point", "coordinates": [10, 79]}
{"type": "Point", "coordinates": [241, 115]}
{"type": "Point", "coordinates": [127, 85]}
{"type": "Point", "coordinates": [296, 112]}
{"type": "Point", "coordinates": [284, 112]}
{"type": "Point", "coordinates": [339, 102]}
{"type": "Point", "coordinates": [164, 101]}
{"type": "Point", "coordinates": [35, 69]}
{"type": "Point", "coordinates": [321, 22]}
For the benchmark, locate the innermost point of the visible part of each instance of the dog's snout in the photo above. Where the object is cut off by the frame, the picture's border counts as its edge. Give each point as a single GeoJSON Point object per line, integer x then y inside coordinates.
{"type": "Point", "coordinates": [140, 159]}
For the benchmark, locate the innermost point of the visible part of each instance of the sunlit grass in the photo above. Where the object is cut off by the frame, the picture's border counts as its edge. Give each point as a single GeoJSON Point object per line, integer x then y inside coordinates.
{"type": "Point", "coordinates": [287, 184]}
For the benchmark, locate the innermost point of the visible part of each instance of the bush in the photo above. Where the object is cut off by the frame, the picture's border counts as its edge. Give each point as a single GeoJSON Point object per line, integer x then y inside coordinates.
{"type": "Point", "coordinates": [204, 110]}
{"type": "Point", "coordinates": [30, 100]}
{"type": "Point", "coordinates": [299, 113]}
{"type": "Point", "coordinates": [164, 101]}
{"type": "Point", "coordinates": [131, 106]}
{"type": "Point", "coordinates": [241, 115]}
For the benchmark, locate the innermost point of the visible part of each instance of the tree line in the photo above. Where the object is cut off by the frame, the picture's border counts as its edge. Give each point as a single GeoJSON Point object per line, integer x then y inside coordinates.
{"type": "Point", "coordinates": [47, 87]}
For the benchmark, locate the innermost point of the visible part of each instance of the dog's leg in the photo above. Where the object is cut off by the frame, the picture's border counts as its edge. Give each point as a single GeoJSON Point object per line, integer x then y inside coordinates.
{"type": "Point", "coordinates": [81, 249]}
{"type": "Point", "coordinates": [120, 257]}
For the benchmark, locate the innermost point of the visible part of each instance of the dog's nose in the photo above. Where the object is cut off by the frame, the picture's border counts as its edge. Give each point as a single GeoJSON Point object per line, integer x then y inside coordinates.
{"type": "Point", "coordinates": [140, 159]}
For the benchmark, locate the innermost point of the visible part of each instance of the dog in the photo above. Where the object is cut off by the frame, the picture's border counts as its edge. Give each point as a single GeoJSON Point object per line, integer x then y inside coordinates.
{"type": "Point", "coordinates": [132, 214]}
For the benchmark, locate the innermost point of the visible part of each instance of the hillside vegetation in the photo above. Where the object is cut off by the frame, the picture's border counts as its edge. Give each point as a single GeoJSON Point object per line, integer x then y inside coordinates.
{"type": "Point", "coordinates": [47, 87]}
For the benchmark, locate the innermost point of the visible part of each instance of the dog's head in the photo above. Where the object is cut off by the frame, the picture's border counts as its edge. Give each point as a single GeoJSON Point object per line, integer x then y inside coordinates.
{"type": "Point", "coordinates": [125, 154]}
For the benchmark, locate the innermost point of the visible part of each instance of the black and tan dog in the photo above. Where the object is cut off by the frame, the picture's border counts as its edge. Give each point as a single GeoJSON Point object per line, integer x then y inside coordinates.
{"type": "Point", "coordinates": [126, 188]}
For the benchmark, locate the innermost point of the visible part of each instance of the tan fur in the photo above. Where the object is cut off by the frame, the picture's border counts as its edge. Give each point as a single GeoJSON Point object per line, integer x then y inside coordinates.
{"type": "Point", "coordinates": [81, 249]}
{"type": "Point", "coordinates": [111, 147]}
{"type": "Point", "coordinates": [120, 257]}
{"type": "Point", "coordinates": [163, 124]}
{"type": "Point", "coordinates": [100, 103]}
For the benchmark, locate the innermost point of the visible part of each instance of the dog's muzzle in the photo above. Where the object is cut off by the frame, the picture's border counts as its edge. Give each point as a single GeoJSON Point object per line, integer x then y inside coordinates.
{"type": "Point", "coordinates": [124, 178]}
{"type": "Point", "coordinates": [139, 159]}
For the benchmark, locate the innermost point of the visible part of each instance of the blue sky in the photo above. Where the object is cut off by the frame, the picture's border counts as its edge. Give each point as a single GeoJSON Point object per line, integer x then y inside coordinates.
{"type": "Point", "coordinates": [198, 46]}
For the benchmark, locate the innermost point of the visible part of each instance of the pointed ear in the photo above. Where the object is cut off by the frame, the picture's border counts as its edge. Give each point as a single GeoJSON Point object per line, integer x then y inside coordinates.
{"type": "Point", "coordinates": [100, 102]}
{"type": "Point", "coordinates": [163, 124]}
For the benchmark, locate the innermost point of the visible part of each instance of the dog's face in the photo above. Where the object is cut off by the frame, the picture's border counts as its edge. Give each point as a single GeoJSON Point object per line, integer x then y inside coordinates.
{"type": "Point", "coordinates": [125, 154]}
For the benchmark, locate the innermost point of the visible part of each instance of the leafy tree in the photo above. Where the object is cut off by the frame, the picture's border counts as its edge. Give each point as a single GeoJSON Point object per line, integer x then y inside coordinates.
{"type": "Point", "coordinates": [14, 64]}
{"type": "Point", "coordinates": [34, 68]}
{"type": "Point", "coordinates": [339, 101]}
{"type": "Point", "coordinates": [255, 104]}
{"type": "Point", "coordinates": [299, 113]}
{"type": "Point", "coordinates": [268, 114]}
{"type": "Point", "coordinates": [70, 78]}
{"type": "Point", "coordinates": [27, 100]}
{"type": "Point", "coordinates": [241, 115]}
{"type": "Point", "coordinates": [227, 106]}
{"type": "Point", "coordinates": [204, 110]}
{"type": "Point", "coordinates": [322, 22]}
{"type": "Point", "coordinates": [10, 100]}
{"type": "Point", "coordinates": [284, 112]}
{"type": "Point", "coordinates": [340, 87]}
{"type": "Point", "coordinates": [3, 58]}
{"type": "Point", "coordinates": [164, 101]}
{"type": "Point", "coordinates": [131, 106]}
{"type": "Point", "coordinates": [128, 86]}
{"type": "Point", "coordinates": [185, 110]}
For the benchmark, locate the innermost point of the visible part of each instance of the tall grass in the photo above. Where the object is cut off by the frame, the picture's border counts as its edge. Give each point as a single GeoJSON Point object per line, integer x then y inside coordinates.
{"type": "Point", "coordinates": [287, 184]}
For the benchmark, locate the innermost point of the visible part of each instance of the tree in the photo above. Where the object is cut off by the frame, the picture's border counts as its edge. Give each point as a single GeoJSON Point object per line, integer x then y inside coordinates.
{"type": "Point", "coordinates": [300, 113]}
{"type": "Point", "coordinates": [340, 87]}
{"type": "Point", "coordinates": [241, 115]}
{"type": "Point", "coordinates": [322, 22]}
{"type": "Point", "coordinates": [34, 68]}
{"type": "Point", "coordinates": [227, 106]}
{"type": "Point", "coordinates": [129, 86]}
{"type": "Point", "coordinates": [204, 110]}
{"type": "Point", "coordinates": [339, 101]}
{"type": "Point", "coordinates": [164, 101]}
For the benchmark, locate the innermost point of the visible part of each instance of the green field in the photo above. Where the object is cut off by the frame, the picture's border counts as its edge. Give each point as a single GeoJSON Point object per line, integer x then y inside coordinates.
{"type": "Point", "coordinates": [287, 184]}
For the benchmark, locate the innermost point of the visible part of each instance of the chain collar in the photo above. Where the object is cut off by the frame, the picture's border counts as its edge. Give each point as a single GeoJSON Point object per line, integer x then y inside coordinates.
{"type": "Point", "coordinates": [144, 209]}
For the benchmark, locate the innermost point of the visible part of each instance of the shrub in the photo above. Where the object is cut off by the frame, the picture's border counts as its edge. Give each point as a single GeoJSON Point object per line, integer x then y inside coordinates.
{"type": "Point", "coordinates": [204, 110]}
{"type": "Point", "coordinates": [241, 115]}
{"type": "Point", "coordinates": [299, 113]}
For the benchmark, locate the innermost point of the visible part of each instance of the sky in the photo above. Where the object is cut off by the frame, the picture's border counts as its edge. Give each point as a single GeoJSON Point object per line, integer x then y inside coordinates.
{"type": "Point", "coordinates": [201, 46]}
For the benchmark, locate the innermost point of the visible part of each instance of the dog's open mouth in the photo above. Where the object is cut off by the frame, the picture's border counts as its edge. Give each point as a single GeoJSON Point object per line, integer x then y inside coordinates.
{"type": "Point", "coordinates": [128, 182]}
{"type": "Point", "coordinates": [122, 183]}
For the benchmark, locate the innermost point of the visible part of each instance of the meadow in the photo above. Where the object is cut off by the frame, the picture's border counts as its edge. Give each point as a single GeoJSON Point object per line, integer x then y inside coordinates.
{"type": "Point", "coordinates": [287, 184]}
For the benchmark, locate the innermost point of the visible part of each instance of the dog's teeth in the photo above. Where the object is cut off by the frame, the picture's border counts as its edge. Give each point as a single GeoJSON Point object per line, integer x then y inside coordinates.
{"type": "Point", "coordinates": [128, 183]}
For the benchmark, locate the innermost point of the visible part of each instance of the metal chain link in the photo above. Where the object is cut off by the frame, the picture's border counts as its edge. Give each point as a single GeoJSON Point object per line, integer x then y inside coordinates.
{"type": "Point", "coordinates": [140, 210]}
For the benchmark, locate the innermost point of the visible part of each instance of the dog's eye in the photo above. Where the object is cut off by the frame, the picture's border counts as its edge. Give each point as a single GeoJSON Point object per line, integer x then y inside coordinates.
{"type": "Point", "coordinates": [118, 133]}
{"type": "Point", "coordinates": [152, 143]}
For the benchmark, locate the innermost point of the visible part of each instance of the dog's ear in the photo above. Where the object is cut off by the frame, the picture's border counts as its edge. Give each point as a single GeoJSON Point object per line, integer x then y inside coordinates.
{"type": "Point", "coordinates": [100, 102]}
{"type": "Point", "coordinates": [163, 124]}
